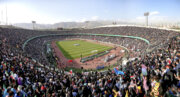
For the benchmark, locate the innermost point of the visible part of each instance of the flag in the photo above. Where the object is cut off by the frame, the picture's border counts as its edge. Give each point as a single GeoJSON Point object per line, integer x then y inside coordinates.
{"type": "Point", "coordinates": [132, 76]}
{"type": "Point", "coordinates": [69, 61]}
{"type": "Point", "coordinates": [118, 72]}
{"type": "Point", "coordinates": [70, 71]}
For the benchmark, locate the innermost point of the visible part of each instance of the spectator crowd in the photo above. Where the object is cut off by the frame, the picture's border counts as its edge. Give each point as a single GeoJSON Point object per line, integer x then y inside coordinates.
{"type": "Point", "coordinates": [20, 76]}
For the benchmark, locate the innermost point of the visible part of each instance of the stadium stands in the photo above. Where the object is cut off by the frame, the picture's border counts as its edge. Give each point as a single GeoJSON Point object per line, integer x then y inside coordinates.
{"type": "Point", "coordinates": [156, 74]}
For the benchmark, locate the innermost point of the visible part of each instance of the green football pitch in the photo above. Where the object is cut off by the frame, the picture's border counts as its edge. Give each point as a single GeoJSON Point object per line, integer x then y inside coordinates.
{"type": "Point", "coordinates": [73, 49]}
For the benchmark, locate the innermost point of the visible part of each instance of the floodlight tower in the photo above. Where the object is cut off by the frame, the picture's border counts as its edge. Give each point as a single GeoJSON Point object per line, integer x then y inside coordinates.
{"type": "Point", "coordinates": [1, 22]}
{"type": "Point", "coordinates": [6, 15]}
{"type": "Point", "coordinates": [86, 24]}
{"type": "Point", "coordinates": [114, 23]}
{"type": "Point", "coordinates": [33, 23]}
{"type": "Point", "coordinates": [146, 14]}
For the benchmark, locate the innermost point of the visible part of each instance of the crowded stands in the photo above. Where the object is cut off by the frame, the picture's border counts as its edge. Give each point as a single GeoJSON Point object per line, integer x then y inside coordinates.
{"type": "Point", "coordinates": [156, 74]}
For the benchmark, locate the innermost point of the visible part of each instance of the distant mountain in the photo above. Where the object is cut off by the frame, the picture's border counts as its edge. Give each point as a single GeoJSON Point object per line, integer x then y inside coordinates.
{"type": "Point", "coordinates": [86, 24]}
{"type": "Point", "coordinates": [30, 26]}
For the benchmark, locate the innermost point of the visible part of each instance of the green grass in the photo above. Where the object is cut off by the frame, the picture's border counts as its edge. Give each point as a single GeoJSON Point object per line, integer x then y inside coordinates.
{"type": "Point", "coordinates": [85, 48]}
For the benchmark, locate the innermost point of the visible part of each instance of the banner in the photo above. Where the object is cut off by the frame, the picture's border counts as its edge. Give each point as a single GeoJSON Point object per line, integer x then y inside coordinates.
{"type": "Point", "coordinates": [144, 69]}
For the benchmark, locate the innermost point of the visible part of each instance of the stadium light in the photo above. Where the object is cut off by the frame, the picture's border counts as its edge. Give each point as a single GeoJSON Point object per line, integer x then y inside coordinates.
{"type": "Point", "coordinates": [114, 23]}
{"type": "Point", "coordinates": [1, 22]}
{"type": "Point", "coordinates": [146, 14]}
{"type": "Point", "coordinates": [86, 23]}
{"type": "Point", "coordinates": [6, 15]}
{"type": "Point", "coordinates": [33, 23]}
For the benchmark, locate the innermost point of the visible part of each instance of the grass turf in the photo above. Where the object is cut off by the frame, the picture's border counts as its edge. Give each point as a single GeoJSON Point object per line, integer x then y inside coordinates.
{"type": "Point", "coordinates": [72, 51]}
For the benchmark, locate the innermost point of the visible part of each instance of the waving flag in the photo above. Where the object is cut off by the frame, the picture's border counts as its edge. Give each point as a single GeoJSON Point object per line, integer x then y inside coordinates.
{"type": "Point", "coordinates": [132, 76]}
{"type": "Point", "coordinates": [118, 72]}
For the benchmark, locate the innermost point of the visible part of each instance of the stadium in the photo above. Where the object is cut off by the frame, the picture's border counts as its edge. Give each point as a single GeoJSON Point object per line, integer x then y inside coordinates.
{"type": "Point", "coordinates": [102, 61]}
{"type": "Point", "coordinates": [55, 50]}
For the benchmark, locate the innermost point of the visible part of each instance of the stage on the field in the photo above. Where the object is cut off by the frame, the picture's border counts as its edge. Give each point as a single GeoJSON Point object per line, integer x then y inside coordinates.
{"type": "Point", "coordinates": [73, 49]}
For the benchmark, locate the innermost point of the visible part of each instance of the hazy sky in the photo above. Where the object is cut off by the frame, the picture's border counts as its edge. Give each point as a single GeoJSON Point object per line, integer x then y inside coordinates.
{"type": "Point", "coordinates": [53, 11]}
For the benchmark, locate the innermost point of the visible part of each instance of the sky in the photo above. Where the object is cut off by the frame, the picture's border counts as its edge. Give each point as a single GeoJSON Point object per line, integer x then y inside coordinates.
{"type": "Point", "coordinates": [54, 11]}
